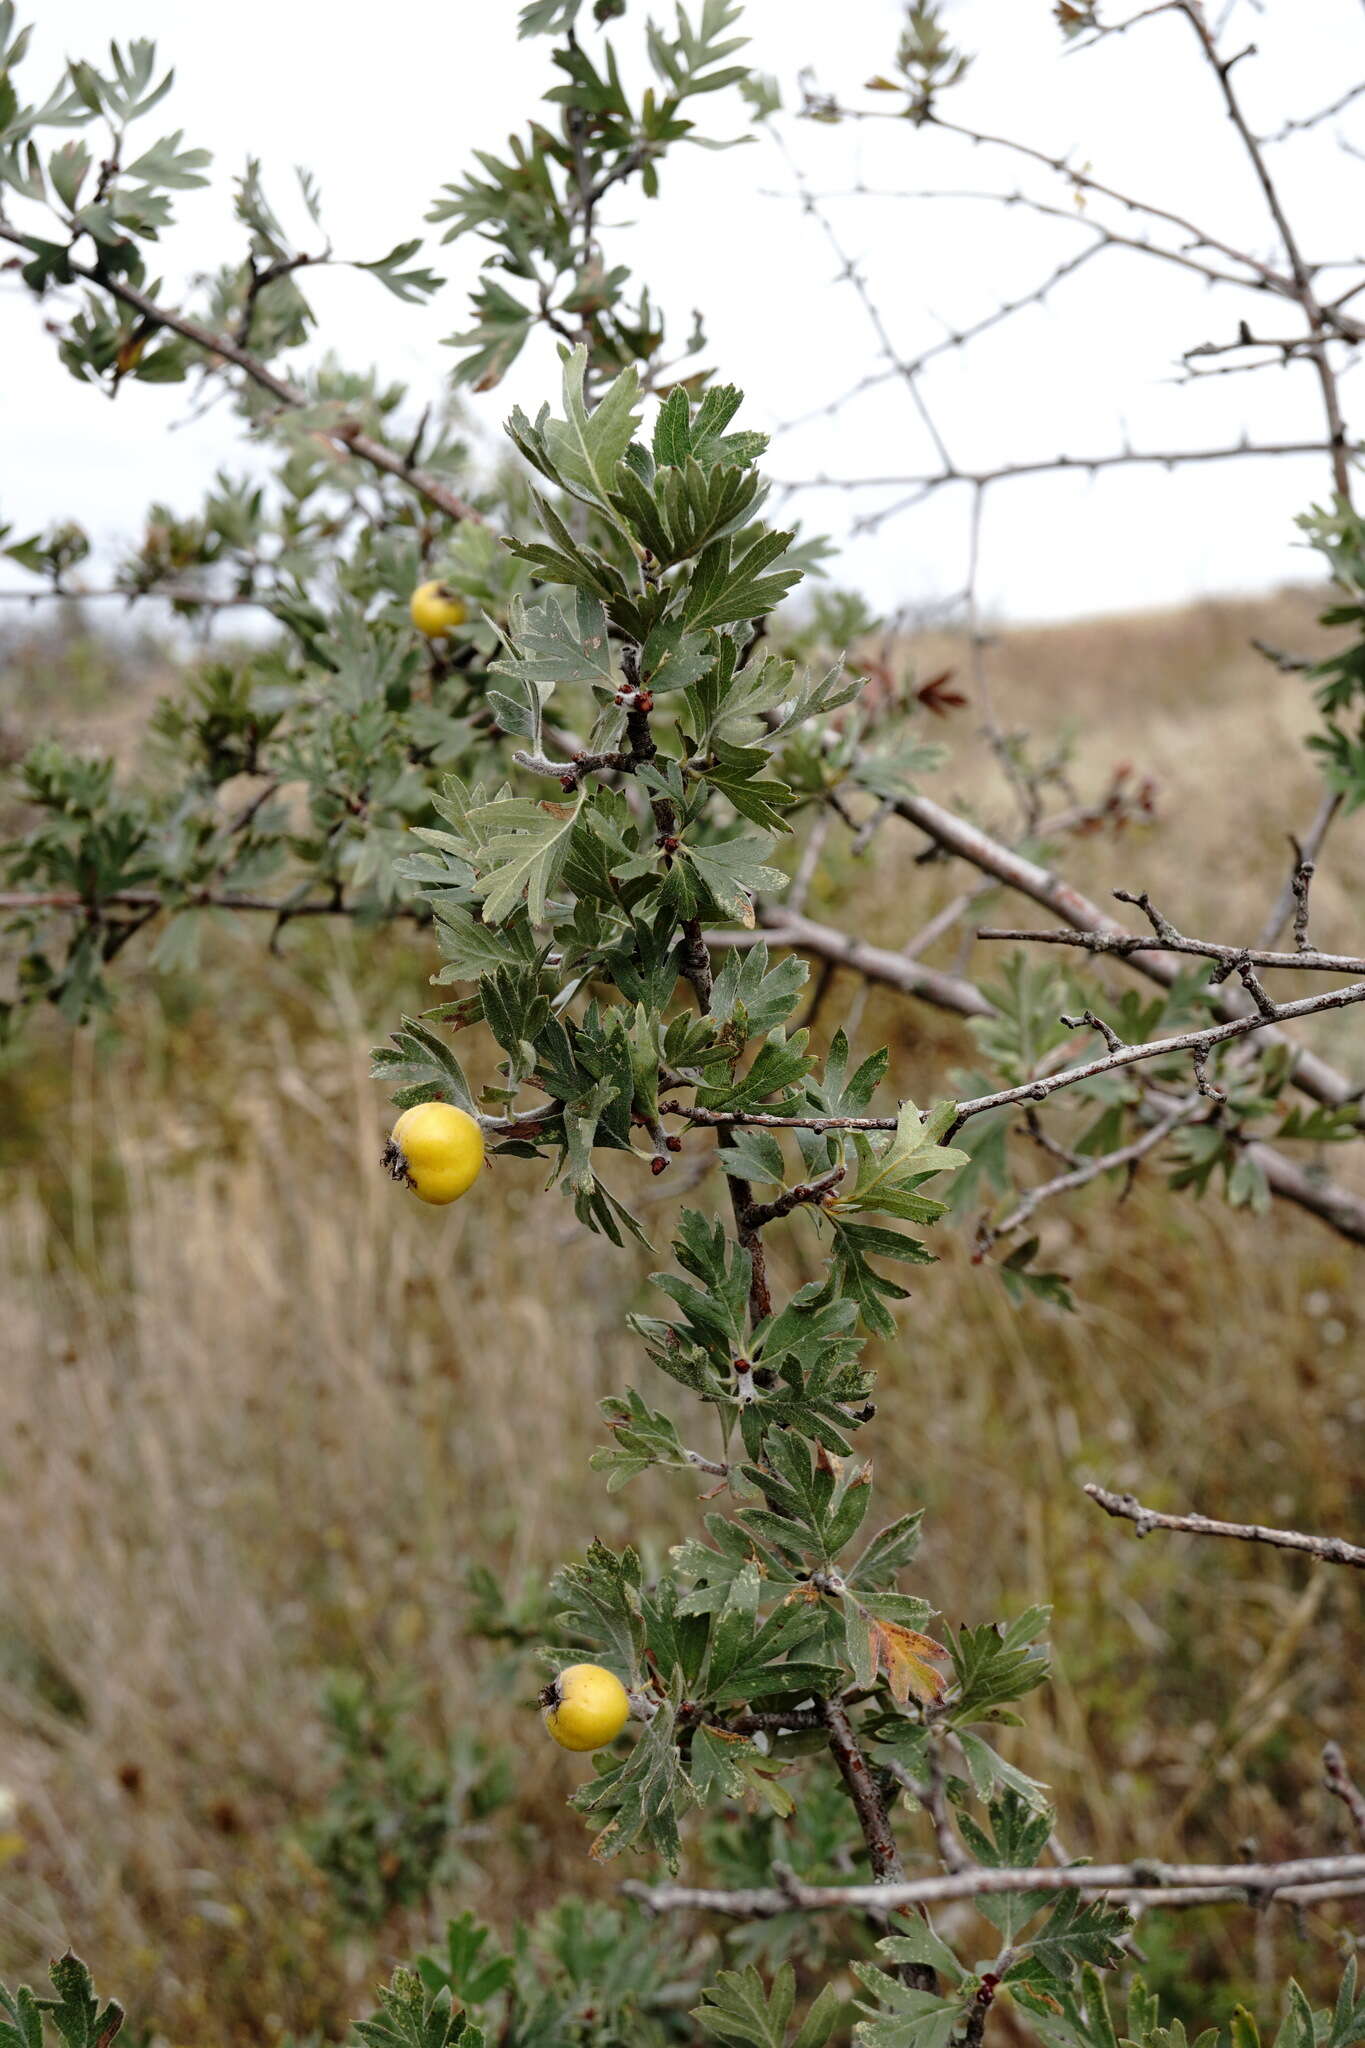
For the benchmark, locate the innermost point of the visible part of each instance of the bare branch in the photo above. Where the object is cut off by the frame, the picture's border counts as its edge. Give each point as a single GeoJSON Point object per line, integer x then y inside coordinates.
{"type": "Point", "coordinates": [930, 1794]}
{"type": "Point", "coordinates": [1105, 237]}
{"type": "Point", "coordinates": [574, 770]}
{"type": "Point", "coordinates": [1300, 882]}
{"type": "Point", "coordinates": [849, 271]}
{"type": "Point", "coordinates": [874, 1821]}
{"type": "Point", "coordinates": [1316, 316]}
{"type": "Point", "coordinates": [206, 899]}
{"type": "Point", "coordinates": [1090, 1021]}
{"type": "Point", "coordinates": [1340, 1208]}
{"type": "Point", "coordinates": [1283, 345]}
{"type": "Point", "coordinates": [1299, 1882]}
{"type": "Point", "coordinates": [1202, 1081]}
{"type": "Point", "coordinates": [1288, 665]}
{"type": "Point", "coordinates": [1081, 181]}
{"type": "Point", "coordinates": [942, 922]}
{"type": "Point", "coordinates": [1103, 31]}
{"type": "Point", "coordinates": [1333, 1549]}
{"type": "Point", "coordinates": [912, 366]}
{"type": "Point", "coordinates": [781, 927]}
{"type": "Point", "coordinates": [868, 1803]}
{"type": "Point", "coordinates": [933, 480]}
{"type": "Point", "coordinates": [1307, 121]}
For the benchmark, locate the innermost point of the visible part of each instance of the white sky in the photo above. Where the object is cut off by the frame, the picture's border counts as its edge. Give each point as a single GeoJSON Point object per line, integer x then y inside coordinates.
{"type": "Point", "coordinates": [385, 104]}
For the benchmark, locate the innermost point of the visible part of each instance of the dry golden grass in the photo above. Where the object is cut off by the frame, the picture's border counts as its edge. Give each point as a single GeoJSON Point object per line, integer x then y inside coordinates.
{"type": "Point", "coordinates": [258, 1416]}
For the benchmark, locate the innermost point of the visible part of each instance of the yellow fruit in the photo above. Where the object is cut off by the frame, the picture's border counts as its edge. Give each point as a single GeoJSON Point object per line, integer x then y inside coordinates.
{"type": "Point", "coordinates": [437, 1150]}
{"type": "Point", "coordinates": [436, 610]}
{"type": "Point", "coordinates": [585, 1707]}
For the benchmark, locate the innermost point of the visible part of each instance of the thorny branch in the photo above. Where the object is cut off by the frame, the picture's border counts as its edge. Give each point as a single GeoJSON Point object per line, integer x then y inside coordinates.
{"type": "Point", "coordinates": [1317, 318]}
{"type": "Point", "coordinates": [922, 484]}
{"type": "Point", "coordinates": [1340, 1208]}
{"type": "Point", "coordinates": [1162, 233]}
{"type": "Point", "coordinates": [850, 273]}
{"type": "Point", "coordinates": [1307, 121]}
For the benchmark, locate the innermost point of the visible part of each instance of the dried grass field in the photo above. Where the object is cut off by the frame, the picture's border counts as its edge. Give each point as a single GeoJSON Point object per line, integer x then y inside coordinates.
{"type": "Point", "coordinates": [262, 1420]}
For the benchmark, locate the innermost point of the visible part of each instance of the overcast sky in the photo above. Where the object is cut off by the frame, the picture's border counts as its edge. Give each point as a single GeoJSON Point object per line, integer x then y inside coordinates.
{"type": "Point", "coordinates": [385, 104]}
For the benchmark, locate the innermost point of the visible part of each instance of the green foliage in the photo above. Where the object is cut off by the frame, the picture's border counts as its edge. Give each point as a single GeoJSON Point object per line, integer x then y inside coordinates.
{"type": "Point", "coordinates": [579, 1976]}
{"type": "Point", "coordinates": [410, 2015]}
{"type": "Point", "coordinates": [1081, 2017]}
{"type": "Point", "coordinates": [535, 206]}
{"type": "Point", "coordinates": [1039, 1962]}
{"type": "Point", "coordinates": [1339, 682]}
{"type": "Point", "coordinates": [739, 2011]}
{"type": "Point", "coordinates": [400, 1814]}
{"type": "Point", "coordinates": [586, 794]}
{"type": "Point", "coordinates": [927, 59]}
{"type": "Point", "coordinates": [74, 2013]}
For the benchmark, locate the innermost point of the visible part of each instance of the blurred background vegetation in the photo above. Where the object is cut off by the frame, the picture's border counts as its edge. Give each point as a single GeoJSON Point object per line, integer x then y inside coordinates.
{"type": "Point", "coordinates": [285, 1459]}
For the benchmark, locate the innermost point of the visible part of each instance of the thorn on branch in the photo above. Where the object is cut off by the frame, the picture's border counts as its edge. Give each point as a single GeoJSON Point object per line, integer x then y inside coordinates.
{"type": "Point", "coordinates": [1300, 884]}
{"type": "Point", "coordinates": [1162, 926]}
{"type": "Point", "coordinates": [1201, 1076]}
{"type": "Point", "coordinates": [1342, 1786]}
{"type": "Point", "coordinates": [1096, 1023]}
{"type": "Point", "coordinates": [811, 1191]}
{"type": "Point", "coordinates": [1255, 988]}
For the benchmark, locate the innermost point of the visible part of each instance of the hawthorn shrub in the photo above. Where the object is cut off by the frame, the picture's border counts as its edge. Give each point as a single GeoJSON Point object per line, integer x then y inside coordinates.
{"type": "Point", "coordinates": [599, 799]}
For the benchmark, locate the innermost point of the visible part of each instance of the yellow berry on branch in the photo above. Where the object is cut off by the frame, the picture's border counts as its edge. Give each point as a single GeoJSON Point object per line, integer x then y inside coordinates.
{"type": "Point", "coordinates": [585, 1706]}
{"type": "Point", "coordinates": [436, 1150]}
{"type": "Point", "coordinates": [435, 609]}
